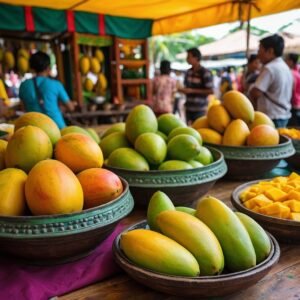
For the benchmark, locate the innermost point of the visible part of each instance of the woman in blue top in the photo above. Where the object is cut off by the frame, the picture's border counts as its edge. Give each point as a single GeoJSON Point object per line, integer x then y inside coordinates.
{"type": "Point", "coordinates": [42, 93]}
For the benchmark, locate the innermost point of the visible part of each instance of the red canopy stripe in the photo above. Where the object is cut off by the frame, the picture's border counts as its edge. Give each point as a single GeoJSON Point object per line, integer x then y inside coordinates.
{"type": "Point", "coordinates": [29, 21]}
{"type": "Point", "coordinates": [101, 21]}
{"type": "Point", "coordinates": [70, 20]}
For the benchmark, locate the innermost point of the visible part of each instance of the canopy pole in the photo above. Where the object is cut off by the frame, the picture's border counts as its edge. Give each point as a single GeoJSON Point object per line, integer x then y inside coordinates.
{"type": "Point", "coordinates": [248, 30]}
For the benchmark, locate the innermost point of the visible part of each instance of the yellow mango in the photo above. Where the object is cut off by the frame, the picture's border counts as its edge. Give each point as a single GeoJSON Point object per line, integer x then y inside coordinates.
{"type": "Point", "coordinates": [275, 209]}
{"type": "Point", "coordinates": [196, 237]}
{"type": "Point", "coordinates": [236, 133]}
{"type": "Point", "coordinates": [294, 205]}
{"type": "Point", "coordinates": [294, 175]}
{"type": "Point", "coordinates": [276, 194]}
{"type": "Point", "coordinates": [210, 136]}
{"type": "Point", "coordinates": [250, 204]}
{"type": "Point", "coordinates": [295, 216]}
{"type": "Point", "coordinates": [152, 250]}
{"type": "Point", "coordinates": [287, 188]}
{"type": "Point", "coordinates": [256, 209]}
{"type": "Point", "coordinates": [294, 195]}
{"type": "Point", "coordinates": [218, 118]}
{"type": "Point", "coordinates": [201, 122]}
{"type": "Point", "coordinates": [249, 195]}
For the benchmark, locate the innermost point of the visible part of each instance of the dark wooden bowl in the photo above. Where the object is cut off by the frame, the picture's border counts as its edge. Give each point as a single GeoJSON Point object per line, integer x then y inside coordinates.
{"type": "Point", "coordinates": [294, 160]}
{"type": "Point", "coordinates": [62, 238]}
{"type": "Point", "coordinates": [248, 163]}
{"type": "Point", "coordinates": [202, 286]}
{"type": "Point", "coordinates": [284, 230]}
{"type": "Point", "coordinates": [182, 186]}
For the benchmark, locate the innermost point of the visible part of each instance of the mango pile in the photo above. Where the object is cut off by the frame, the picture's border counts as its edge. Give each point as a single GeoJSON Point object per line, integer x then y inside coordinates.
{"type": "Point", "coordinates": [233, 122]}
{"type": "Point", "coordinates": [293, 133]}
{"type": "Point", "coordinates": [279, 197]}
{"type": "Point", "coordinates": [145, 142]}
{"type": "Point", "coordinates": [45, 171]}
{"type": "Point", "coordinates": [195, 242]}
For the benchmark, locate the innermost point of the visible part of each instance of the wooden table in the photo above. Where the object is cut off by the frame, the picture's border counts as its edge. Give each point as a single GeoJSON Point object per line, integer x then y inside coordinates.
{"type": "Point", "coordinates": [282, 283]}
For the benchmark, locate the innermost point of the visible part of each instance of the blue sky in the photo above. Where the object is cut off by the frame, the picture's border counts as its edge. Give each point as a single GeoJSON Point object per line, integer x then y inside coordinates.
{"type": "Point", "coordinates": [270, 23]}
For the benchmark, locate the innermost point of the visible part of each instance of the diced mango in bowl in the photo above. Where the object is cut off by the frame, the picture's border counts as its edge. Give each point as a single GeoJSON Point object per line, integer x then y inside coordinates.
{"type": "Point", "coordinates": [293, 133]}
{"type": "Point", "coordinates": [279, 197]}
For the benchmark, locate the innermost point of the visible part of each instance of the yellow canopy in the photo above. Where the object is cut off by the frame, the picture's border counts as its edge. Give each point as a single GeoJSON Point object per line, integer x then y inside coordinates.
{"type": "Point", "coordinates": [171, 16]}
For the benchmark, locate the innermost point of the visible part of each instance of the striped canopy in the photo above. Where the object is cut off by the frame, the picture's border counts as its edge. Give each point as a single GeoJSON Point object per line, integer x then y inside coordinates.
{"type": "Point", "coordinates": [131, 18]}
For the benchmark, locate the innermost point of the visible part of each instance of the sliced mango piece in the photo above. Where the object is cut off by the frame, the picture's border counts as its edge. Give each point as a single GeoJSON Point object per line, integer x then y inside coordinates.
{"type": "Point", "coordinates": [294, 205]}
{"type": "Point", "coordinates": [276, 209]}
{"type": "Point", "coordinates": [276, 194]}
{"type": "Point", "coordinates": [295, 216]}
{"type": "Point", "coordinates": [294, 175]}
{"type": "Point", "coordinates": [294, 195]}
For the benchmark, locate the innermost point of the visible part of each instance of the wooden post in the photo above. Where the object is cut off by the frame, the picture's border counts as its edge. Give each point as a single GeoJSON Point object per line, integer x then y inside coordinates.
{"type": "Point", "coordinates": [77, 76]}
{"type": "Point", "coordinates": [248, 30]}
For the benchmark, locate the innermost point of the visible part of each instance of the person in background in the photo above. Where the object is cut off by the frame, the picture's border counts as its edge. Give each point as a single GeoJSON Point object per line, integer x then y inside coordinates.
{"type": "Point", "coordinates": [164, 88]}
{"type": "Point", "coordinates": [198, 85]}
{"type": "Point", "coordinates": [42, 93]}
{"type": "Point", "coordinates": [251, 73]}
{"type": "Point", "coordinates": [226, 82]}
{"type": "Point", "coordinates": [272, 89]}
{"type": "Point", "coordinates": [291, 60]}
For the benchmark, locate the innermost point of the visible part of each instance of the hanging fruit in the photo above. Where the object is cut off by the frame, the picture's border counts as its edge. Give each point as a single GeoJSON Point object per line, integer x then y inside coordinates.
{"type": "Point", "coordinates": [99, 55]}
{"type": "Point", "coordinates": [102, 82]}
{"type": "Point", "coordinates": [22, 52]}
{"type": "Point", "coordinates": [95, 65]}
{"type": "Point", "coordinates": [9, 59]}
{"type": "Point", "coordinates": [84, 65]}
{"type": "Point", "coordinates": [88, 85]}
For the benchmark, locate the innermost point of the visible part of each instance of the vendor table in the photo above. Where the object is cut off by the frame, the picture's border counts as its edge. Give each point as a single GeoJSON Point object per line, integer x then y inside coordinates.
{"type": "Point", "coordinates": [282, 282]}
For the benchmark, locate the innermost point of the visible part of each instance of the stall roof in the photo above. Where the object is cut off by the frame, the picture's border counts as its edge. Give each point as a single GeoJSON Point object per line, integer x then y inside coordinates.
{"type": "Point", "coordinates": [168, 16]}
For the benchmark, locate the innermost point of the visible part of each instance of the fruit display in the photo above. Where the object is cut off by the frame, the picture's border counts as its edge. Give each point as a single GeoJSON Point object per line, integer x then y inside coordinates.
{"type": "Point", "coordinates": [234, 122]}
{"type": "Point", "coordinates": [93, 63]}
{"type": "Point", "coordinates": [278, 198]}
{"type": "Point", "coordinates": [215, 239]}
{"type": "Point", "coordinates": [145, 142]}
{"type": "Point", "coordinates": [45, 171]}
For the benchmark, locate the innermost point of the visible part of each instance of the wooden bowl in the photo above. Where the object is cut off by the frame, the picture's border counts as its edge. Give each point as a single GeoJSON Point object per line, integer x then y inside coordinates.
{"type": "Point", "coordinates": [284, 230]}
{"type": "Point", "coordinates": [62, 238]}
{"type": "Point", "coordinates": [294, 160]}
{"type": "Point", "coordinates": [201, 286]}
{"type": "Point", "coordinates": [182, 186]}
{"type": "Point", "coordinates": [248, 163]}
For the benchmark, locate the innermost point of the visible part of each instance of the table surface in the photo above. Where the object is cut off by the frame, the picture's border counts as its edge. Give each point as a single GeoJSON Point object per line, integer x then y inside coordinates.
{"type": "Point", "coordinates": [282, 282]}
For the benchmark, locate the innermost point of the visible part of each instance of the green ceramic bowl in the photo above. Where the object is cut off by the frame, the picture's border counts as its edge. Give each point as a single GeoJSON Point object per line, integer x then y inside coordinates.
{"type": "Point", "coordinates": [62, 238]}
{"type": "Point", "coordinates": [248, 163]}
{"type": "Point", "coordinates": [182, 186]}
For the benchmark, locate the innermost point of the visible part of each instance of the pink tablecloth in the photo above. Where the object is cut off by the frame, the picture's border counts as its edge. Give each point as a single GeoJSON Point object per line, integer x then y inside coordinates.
{"type": "Point", "coordinates": [22, 282]}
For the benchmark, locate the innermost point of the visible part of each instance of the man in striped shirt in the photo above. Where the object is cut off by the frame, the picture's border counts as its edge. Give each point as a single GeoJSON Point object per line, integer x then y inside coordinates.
{"type": "Point", "coordinates": [198, 85]}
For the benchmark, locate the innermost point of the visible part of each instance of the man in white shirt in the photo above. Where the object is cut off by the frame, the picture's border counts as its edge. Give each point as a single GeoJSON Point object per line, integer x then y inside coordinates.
{"type": "Point", "coordinates": [272, 90]}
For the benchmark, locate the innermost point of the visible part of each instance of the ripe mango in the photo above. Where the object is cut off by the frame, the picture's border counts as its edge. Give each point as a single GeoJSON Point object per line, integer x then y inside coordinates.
{"type": "Point", "coordinates": [259, 238]}
{"type": "Point", "coordinates": [95, 65]}
{"type": "Point", "coordinates": [154, 251]}
{"type": "Point", "coordinates": [127, 158]}
{"type": "Point", "coordinates": [263, 135]}
{"type": "Point", "coordinates": [201, 122]}
{"type": "Point", "coordinates": [168, 122]}
{"type": "Point", "coordinates": [183, 147]}
{"type": "Point", "coordinates": [218, 118]}
{"type": "Point", "coordinates": [238, 106]}
{"type": "Point", "coordinates": [159, 202]}
{"type": "Point", "coordinates": [12, 191]}
{"type": "Point", "coordinates": [259, 119]}
{"type": "Point", "coordinates": [235, 241]}
{"type": "Point", "coordinates": [99, 55]}
{"type": "Point", "coordinates": [195, 236]}
{"type": "Point", "coordinates": [42, 121]}
{"type": "Point", "coordinates": [236, 133]}
{"type": "Point", "coordinates": [152, 147]}
{"type": "Point", "coordinates": [141, 119]}
{"type": "Point", "coordinates": [84, 65]}
{"type": "Point", "coordinates": [210, 136]}
{"type": "Point", "coordinates": [3, 145]}
{"type": "Point", "coordinates": [26, 147]}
